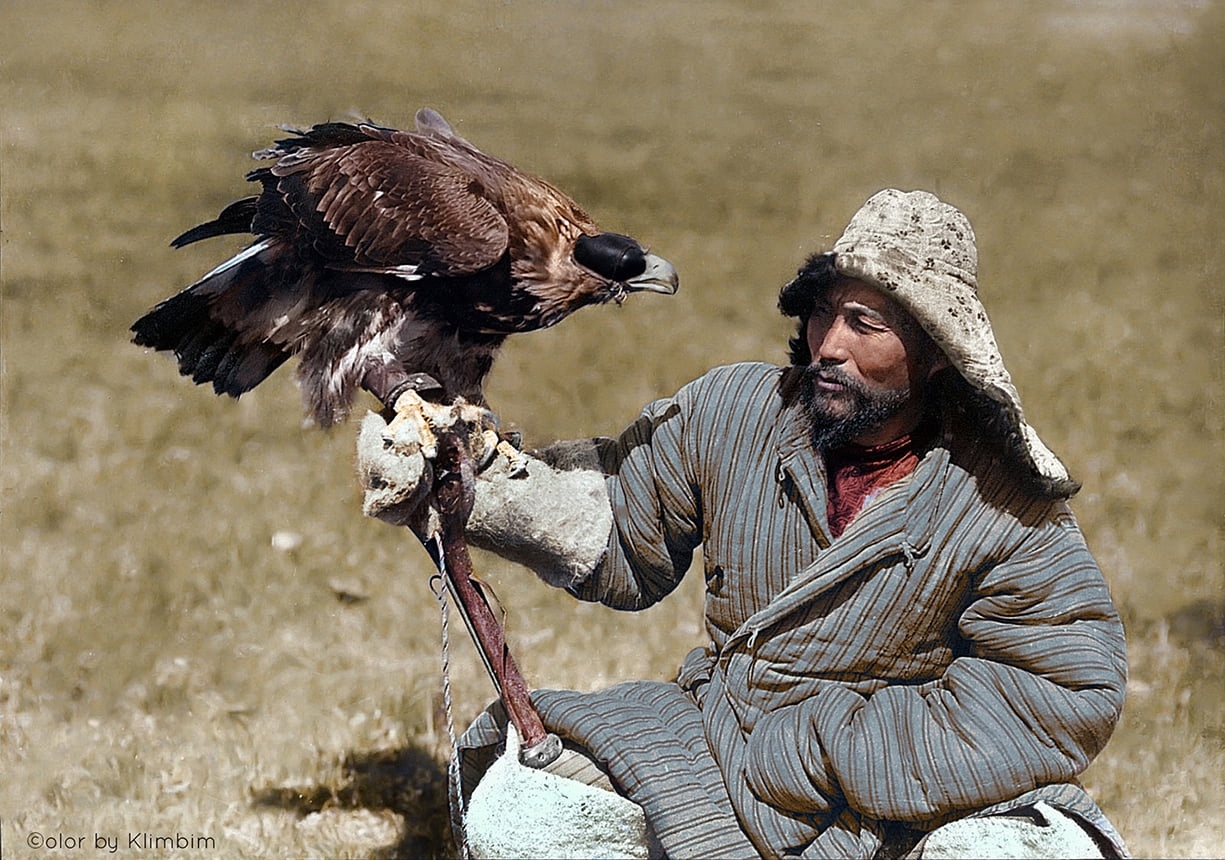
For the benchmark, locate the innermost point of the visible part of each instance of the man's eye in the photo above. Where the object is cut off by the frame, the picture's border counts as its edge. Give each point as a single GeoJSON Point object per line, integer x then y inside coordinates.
{"type": "Point", "coordinates": [868, 324]}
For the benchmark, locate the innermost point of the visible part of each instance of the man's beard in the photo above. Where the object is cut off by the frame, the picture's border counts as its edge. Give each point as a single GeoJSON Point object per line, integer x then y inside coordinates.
{"type": "Point", "coordinates": [864, 410]}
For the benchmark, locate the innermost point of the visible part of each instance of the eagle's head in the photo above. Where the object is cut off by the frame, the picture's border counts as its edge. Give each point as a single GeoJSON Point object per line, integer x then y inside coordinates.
{"type": "Point", "coordinates": [625, 265]}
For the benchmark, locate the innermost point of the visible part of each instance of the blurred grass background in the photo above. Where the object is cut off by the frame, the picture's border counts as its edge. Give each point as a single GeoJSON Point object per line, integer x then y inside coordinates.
{"type": "Point", "coordinates": [201, 634]}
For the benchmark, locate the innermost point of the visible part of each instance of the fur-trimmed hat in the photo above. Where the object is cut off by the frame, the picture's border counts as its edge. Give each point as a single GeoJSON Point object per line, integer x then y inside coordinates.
{"type": "Point", "coordinates": [920, 251]}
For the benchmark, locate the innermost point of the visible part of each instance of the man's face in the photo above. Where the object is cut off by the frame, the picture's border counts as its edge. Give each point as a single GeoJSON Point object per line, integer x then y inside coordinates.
{"type": "Point", "coordinates": [870, 362]}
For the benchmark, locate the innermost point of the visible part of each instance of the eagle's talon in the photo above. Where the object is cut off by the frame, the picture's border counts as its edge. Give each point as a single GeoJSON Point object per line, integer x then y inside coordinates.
{"type": "Point", "coordinates": [513, 438]}
{"type": "Point", "coordinates": [516, 460]}
{"type": "Point", "coordinates": [483, 447]}
{"type": "Point", "coordinates": [475, 416]}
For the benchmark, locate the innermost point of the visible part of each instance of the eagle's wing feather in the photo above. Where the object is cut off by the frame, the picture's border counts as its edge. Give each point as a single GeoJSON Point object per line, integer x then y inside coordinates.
{"type": "Point", "coordinates": [377, 206]}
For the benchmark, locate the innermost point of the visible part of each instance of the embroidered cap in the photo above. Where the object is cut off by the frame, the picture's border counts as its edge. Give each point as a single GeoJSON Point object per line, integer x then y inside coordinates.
{"type": "Point", "coordinates": [920, 251]}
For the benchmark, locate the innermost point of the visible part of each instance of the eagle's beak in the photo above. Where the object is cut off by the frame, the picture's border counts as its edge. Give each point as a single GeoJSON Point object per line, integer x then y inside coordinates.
{"type": "Point", "coordinates": [658, 277]}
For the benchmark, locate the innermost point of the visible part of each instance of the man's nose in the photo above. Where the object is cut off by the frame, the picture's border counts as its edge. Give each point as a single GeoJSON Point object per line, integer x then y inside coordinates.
{"type": "Point", "coordinates": [833, 346]}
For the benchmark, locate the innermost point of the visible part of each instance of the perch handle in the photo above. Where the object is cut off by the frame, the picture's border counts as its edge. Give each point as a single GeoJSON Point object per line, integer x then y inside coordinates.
{"type": "Point", "coordinates": [454, 493]}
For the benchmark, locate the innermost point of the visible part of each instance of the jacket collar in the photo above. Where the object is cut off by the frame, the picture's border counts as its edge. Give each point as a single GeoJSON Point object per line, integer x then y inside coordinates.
{"type": "Point", "coordinates": [899, 522]}
{"type": "Point", "coordinates": [801, 472]}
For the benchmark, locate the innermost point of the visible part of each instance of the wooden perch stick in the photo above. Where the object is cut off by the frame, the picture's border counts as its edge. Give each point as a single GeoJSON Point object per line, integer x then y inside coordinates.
{"type": "Point", "coordinates": [453, 493]}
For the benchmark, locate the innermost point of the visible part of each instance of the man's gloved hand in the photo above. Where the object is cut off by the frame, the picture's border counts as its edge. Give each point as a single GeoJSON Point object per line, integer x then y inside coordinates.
{"type": "Point", "coordinates": [555, 522]}
{"type": "Point", "coordinates": [396, 460]}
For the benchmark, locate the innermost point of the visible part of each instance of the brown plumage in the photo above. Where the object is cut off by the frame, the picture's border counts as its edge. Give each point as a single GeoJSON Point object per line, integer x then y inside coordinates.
{"type": "Point", "coordinates": [381, 254]}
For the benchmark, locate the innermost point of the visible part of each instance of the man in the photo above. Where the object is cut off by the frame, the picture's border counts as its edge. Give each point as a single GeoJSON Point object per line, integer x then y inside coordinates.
{"type": "Point", "coordinates": [906, 626]}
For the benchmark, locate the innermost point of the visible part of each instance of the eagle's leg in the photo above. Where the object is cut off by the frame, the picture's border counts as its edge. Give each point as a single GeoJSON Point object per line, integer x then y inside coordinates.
{"type": "Point", "coordinates": [410, 397]}
{"type": "Point", "coordinates": [405, 393]}
{"type": "Point", "coordinates": [517, 460]}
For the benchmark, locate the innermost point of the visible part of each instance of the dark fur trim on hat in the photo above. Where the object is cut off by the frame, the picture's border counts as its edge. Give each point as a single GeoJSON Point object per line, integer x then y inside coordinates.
{"type": "Point", "coordinates": [964, 404]}
{"type": "Point", "coordinates": [798, 297]}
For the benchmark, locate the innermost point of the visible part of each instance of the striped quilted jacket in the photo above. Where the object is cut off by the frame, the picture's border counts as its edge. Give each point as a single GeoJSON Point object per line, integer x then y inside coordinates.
{"type": "Point", "coordinates": [954, 651]}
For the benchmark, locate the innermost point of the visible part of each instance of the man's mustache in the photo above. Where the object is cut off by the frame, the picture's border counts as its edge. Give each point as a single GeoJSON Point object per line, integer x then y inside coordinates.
{"type": "Point", "coordinates": [835, 373]}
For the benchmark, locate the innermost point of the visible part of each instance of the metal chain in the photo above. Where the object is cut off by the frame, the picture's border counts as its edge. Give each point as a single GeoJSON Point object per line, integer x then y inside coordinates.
{"type": "Point", "coordinates": [458, 829]}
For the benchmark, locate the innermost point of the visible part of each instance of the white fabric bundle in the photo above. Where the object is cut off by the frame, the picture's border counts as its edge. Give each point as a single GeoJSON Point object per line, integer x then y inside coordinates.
{"type": "Point", "coordinates": [516, 811]}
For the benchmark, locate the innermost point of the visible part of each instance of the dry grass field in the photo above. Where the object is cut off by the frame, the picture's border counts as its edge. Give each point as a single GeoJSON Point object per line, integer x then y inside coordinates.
{"type": "Point", "coordinates": [201, 636]}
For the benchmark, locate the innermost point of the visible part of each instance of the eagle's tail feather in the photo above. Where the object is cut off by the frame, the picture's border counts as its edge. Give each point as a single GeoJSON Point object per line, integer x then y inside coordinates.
{"type": "Point", "coordinates": [170, 322]}
{"type": "Point", "coordinates": [235, 218]}
{"type": "Point", "coordinates": [241, 369]}
{"type": "Point", "coordinates": [202, 357]}
{"type": "Point", "coordinates": [207, 350]}
{"type": "Point", "coordinates": [193, 351]}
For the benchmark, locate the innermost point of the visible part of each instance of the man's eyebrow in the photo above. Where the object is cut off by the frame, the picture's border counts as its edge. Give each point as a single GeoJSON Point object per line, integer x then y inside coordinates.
{"type": "Point", "coordinates": [865, 310]}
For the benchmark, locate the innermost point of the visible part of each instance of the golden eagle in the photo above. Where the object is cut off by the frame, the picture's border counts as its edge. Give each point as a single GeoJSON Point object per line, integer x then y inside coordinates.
{"type": "Point", "coordinates": [389, 260]}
